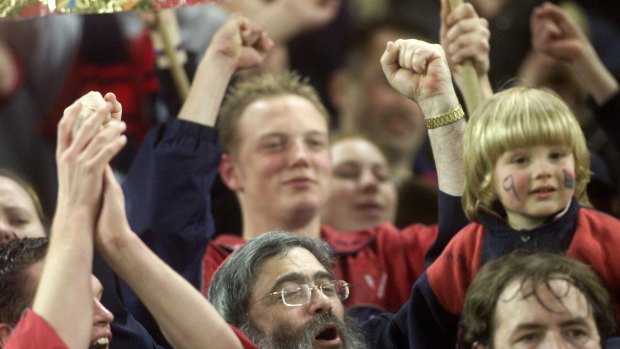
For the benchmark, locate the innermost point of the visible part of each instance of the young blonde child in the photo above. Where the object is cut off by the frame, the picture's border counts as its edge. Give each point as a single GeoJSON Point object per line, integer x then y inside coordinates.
{"type": "Point", "coordinates": [527, 168]}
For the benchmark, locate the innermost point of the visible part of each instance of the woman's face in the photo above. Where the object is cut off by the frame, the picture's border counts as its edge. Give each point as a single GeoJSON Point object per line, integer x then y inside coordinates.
{"type": "Point", "coordinates": [18, 215]}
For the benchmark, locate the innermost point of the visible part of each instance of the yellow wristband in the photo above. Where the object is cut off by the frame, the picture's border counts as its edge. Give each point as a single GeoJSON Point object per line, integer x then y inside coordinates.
{"type": "Point", "coordinates": [444, 119]}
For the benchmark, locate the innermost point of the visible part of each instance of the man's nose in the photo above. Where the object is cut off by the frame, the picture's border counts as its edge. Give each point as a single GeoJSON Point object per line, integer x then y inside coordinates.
{"type": "Point", "coordinates": [299, 152]}
{"type": "Point", "coordinates": [320, 303]}
{"type": "Point", "coordinates": [555, 341]}
{"type": "Point", "coordinates": [368, 180]}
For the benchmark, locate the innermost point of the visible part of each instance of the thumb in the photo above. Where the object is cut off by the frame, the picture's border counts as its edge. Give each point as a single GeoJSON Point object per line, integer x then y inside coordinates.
{"type": "Point", "coordinates": [389, 59]}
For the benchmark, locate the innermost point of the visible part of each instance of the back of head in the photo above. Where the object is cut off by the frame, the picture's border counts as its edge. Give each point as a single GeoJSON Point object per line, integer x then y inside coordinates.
{"type": "Point", "coordinates": [263, 86]}
{"type": "Point", "coordinates": [531, 270]}
{"type": "Point", "coordinates": [518, 117]}
{"type": "Point", "coordinates": [16, 289]}
{"type": "Point", "coordinates": [232, 285]}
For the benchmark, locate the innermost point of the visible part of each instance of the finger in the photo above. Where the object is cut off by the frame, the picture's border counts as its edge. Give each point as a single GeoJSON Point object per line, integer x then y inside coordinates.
{"type": "Point", "coordinates": [117, 107]}
{"type": "Point", "coordinates": [110, 133]}
{"type": "Point", "coordinates": [107, 153]}
{"type": "Point", "coordinates": [389, 59]}
{"type": "Point", "coordinates": [419, 61]}
{"type": "Point", "coordinates": [469, 25]}
{"type": "Point", "coordinates": [466, 10]}
{"type": "Point", "coordinates": [65, 126]}
{"type": "Point", "coordinates": [90, 127]}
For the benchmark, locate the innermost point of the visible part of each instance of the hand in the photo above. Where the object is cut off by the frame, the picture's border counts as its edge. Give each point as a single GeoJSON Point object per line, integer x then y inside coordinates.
{"type": "Point", "coordinates": [419, 70]}
{"type": "Point", "coordinates": [112, 225]}
{"type": "Point", "coordinates": [465, 36]}
{"type": "Point", "coordinates": [555, 34]}
{"type": "Point", "coordinates": [81, 159]}
{"type": "Point", "coordinates": [240, 43]}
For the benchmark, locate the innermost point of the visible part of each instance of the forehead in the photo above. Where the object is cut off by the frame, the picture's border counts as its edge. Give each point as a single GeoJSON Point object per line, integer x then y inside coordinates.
{"type": "Point", "coordinates": [13, 195]}
{"type": "Point", "coordinates": [553, 303]}
{"type": "Point", "coordinates": [356, 150]}
{"type": "Point", "coordinates": [297, 260]}
{"type": "Point", "coordinates": [284, 113]}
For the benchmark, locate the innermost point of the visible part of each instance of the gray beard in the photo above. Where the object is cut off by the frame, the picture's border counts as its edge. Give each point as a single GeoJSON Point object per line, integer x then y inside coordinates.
{"type": "Point", "coordinates": [287, 337]}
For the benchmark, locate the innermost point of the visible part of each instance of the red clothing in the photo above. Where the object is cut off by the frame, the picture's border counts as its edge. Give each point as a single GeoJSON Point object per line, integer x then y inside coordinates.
{"type": "Point", "coordinates": [595, 242]}
{"type": "Point", "coordinates": [247, 344]}
{"type": "Point", "coordinates": [33, 332]}
{"type": "Point", "coordinates": [380, 263]}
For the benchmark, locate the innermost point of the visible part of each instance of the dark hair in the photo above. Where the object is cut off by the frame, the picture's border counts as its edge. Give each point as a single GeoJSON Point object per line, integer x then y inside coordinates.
{"type": "Point", "coordinates": [233, 283]}
{"type": "Point", "coordinates": [531, 270]}
{"type": "Point", "coordinates": [16, 289]}
{"type": "Point", "coordinates": [29, 189]}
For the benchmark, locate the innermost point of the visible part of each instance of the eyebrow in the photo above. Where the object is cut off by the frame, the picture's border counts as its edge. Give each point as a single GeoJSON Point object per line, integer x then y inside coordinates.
{"type": "Point", "coordinates": [298, 277]}
{"type": "Point", "coordinates": [535, 326]}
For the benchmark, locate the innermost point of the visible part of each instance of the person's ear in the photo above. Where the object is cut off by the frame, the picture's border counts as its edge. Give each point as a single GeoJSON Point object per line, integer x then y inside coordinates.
{"type": "Point", "coordinates": [229, 172]}
{"type": "Point", "coordinates": [5, 333]}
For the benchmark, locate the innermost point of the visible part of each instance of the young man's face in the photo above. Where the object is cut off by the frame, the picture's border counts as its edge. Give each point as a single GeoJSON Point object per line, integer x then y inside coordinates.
{"type": "Point", "coordinates": [533, 183]}
{"type": "Point", "coordinates": [282, 166]}
{"type": "Point", "coordinates": [362, 193]}
{"type": "Point", "coordinates": [318, 324]}
{"type": "Point", "coordinates": [18, 215]}
{"type": "Point", "coordinates": [559, 318]}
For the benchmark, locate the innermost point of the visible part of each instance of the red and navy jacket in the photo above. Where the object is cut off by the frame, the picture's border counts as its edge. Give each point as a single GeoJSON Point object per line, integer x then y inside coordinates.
{"type": "Point", "coordinates": [437, 297]}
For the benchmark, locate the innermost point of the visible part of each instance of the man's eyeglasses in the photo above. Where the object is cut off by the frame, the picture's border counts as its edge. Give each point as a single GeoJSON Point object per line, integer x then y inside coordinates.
{"type": "Point", "coordinates": [295, 295]}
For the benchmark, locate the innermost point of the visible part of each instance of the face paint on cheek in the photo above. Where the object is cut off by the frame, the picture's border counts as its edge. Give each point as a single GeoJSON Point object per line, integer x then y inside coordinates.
{"type": "Point", "coordinates": [509, 186]}
{"type": "Point", "coordinates": [569, 179]}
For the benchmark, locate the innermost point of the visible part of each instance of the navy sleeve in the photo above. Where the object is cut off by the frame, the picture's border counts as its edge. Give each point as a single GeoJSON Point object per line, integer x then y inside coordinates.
{"type": "Point", "coordinates": [168, 202]}
{"type": "Point", "coordinates": [128, 333]}
{"type": "Point", "coordinates": [451, 220]}
{"type": "Point", "coordinates": [421, 323]}
{"type": "Point", "coordinates": [612, 343]}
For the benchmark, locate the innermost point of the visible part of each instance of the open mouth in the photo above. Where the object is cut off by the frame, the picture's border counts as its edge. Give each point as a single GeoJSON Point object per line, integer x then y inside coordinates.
{"type": "Point", "coordinates": [543, 190]}
{"type": "Point", "coordinates": [328, 335]}
{"type": "Point", "coordinates": [100, 343]}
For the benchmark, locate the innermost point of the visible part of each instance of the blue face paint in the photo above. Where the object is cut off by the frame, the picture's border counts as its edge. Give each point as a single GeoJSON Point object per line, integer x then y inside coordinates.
{"type": "Point", "coordinates": [569, 179]}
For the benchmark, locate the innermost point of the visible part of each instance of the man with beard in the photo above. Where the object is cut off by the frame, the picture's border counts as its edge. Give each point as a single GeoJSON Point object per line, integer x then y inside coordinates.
{"type": "Point", "coordinates": [280, 291]}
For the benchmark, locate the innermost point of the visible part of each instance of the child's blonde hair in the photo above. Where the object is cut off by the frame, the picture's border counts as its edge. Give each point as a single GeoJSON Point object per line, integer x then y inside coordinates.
{"type": "Point", "coordinates": [515, 118]}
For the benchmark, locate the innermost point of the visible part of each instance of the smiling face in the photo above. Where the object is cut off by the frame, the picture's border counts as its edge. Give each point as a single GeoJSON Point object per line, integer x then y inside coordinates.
{"type": "Point", "coordinates": [533, 183]}
{"type": "Point", "coordinates": [318, 324]}
{"type": "Point", "coordinates": [362, 194]}
{"type": "Point", "coordinates": [18, 215]}
{"type": "Point", "coordinates": [281, 169]}
{"type": "Point", "coordinates": [558, 316]}
{"type": "Point", "coordinates": [101, 334]}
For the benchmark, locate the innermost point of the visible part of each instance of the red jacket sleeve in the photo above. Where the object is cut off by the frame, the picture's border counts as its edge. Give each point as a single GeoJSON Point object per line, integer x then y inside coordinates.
{"type": "Point", "coordinates": [33, 332]}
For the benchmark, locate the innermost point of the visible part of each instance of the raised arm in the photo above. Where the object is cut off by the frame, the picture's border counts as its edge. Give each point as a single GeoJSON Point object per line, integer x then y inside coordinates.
{"type": "Point", "coordinates": [186, 318]}
{"type": "Point", "coordinates": [64, 296]}
{"type": "Point", "coordinates": [465, 37]}
{"type": "Point", "coordinates": [419, 70]}
{"type": "Point", "coordinates": [238, 44]}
